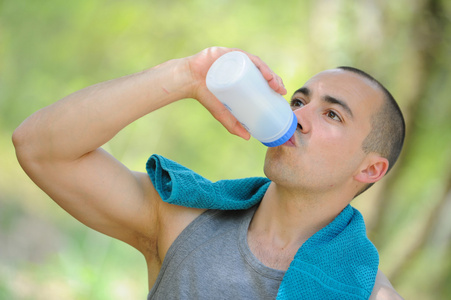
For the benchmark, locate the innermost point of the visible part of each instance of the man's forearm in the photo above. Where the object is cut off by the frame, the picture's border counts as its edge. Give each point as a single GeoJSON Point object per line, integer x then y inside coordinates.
{"type": "Point", "coordinates": [85, 120]}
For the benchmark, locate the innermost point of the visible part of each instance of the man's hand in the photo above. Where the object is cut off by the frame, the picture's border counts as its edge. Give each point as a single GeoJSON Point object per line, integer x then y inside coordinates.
{"type": "Point", "coordinates": [199, 65]}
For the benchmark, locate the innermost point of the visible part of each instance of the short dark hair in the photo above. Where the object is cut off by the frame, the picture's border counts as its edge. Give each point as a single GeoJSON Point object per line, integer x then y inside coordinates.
{"type": "Point", "coordinates": [388, 127]}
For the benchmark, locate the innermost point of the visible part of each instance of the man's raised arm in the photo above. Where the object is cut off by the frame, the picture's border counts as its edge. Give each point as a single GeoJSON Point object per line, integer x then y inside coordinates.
{"type": "Point", "coordinates": [59, 146]}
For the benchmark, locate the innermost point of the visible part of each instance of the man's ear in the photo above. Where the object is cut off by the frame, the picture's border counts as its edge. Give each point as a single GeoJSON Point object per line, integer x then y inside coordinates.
{"type": "Point", "coordinates": [373, 169]}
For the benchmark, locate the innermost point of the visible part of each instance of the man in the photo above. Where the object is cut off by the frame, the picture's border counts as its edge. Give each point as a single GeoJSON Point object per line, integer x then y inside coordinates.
{"type": "Point", "coordinates": [333, 156]}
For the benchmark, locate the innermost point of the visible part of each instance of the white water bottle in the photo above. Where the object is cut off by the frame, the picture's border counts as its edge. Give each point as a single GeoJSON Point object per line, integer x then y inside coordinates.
{"type": "Point", "coordinates": [238, 84]}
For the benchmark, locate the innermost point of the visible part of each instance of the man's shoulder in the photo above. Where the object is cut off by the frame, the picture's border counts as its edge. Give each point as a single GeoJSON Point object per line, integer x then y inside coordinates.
{"type": "Point", "coordinates": [383, 289]}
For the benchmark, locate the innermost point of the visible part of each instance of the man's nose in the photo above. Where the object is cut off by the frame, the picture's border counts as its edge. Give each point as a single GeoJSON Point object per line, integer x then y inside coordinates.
{"type": "Point", "coordinates": [304, 119]}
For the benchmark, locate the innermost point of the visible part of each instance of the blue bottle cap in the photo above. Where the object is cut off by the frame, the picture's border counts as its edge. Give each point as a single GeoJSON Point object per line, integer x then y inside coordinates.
{"type": "Point", "coordinates": [286, 136]}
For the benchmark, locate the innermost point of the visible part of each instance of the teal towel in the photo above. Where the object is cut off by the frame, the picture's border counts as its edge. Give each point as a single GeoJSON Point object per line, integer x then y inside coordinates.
{"type": "Point", "coordinates": [337, 262]}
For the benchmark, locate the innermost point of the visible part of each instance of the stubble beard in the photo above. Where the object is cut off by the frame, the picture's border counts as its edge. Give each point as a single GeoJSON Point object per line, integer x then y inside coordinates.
{"type": "Point", "coordinates": [279, 166]}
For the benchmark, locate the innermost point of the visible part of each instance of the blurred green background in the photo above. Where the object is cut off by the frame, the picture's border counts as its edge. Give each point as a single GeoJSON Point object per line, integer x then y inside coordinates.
{"type": "Point", "coordinates": [51, 48]}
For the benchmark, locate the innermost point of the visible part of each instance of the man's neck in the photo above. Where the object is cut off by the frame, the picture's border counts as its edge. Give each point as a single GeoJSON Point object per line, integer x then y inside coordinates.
{"type": "Point", "coordinates": [285, 220]}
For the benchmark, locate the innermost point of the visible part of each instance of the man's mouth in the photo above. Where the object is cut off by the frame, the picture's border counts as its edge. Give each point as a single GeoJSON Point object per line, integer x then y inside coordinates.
{"type": "Point", "coordinates": [291, 142]}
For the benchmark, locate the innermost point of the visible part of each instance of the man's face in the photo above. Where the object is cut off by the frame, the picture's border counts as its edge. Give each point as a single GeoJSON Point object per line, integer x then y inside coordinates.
{"type": "Point", "coordinates": [334, 110]}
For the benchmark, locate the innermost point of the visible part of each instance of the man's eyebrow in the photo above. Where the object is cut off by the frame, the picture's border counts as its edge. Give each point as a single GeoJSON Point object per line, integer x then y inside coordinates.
{"type": "Point", "coordinates": [303, 90]}
{"type": "Point", "coordinates": [333, 100]}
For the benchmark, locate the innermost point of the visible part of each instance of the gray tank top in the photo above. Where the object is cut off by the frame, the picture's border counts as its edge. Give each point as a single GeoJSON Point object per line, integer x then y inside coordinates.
{"type": "Point", "coordinates": [211, 259]}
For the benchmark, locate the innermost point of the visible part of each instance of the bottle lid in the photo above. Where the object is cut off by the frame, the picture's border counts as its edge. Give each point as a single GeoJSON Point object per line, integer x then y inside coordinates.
{"type": "Point", "coordinates": [286, 136]}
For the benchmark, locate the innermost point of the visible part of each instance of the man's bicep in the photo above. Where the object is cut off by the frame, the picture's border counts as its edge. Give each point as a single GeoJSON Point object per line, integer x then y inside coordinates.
{"type": "Point", "coordinates": [103, 194]}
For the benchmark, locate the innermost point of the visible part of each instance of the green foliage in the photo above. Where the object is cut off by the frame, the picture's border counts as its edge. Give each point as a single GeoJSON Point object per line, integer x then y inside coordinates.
{"type": "Point", "coordinates": [51, 48]}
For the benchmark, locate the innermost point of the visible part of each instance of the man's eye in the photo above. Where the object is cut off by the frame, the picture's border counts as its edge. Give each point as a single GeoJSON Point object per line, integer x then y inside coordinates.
{"type": "Point", "coordinates": [297, 103]}
{"type": "Point", "coordinates": [331, 114]}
